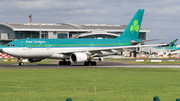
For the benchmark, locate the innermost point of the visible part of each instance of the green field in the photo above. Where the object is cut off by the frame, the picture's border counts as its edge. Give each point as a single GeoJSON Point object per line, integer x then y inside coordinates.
{"type": "Point", "coordinates": [112, 84]}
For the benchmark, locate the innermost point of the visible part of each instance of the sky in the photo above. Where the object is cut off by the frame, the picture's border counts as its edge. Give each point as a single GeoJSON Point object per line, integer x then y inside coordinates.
{"type": "Point", "coordinates": [161, 17]}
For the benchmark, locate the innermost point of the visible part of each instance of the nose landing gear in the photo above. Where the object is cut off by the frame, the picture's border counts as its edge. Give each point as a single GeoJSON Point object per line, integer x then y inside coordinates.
{"type": "Point", "coordinates": [20, 61]}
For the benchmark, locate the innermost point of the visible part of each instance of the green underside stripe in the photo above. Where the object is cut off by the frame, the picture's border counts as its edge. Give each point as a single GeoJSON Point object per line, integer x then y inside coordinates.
{"type": "Point", "coordinates": [78, 45]}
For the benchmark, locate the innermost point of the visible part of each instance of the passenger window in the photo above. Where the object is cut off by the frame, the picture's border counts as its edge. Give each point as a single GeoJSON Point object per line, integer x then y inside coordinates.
{"type": "Point", "coordinates": [12, 45]}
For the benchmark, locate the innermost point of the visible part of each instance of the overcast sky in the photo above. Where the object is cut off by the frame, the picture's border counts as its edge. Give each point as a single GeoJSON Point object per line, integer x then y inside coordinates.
{"type": "Point", "coordinates": [161, 17]}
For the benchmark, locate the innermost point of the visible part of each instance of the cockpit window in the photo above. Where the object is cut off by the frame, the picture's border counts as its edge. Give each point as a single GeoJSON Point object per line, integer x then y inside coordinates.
{"type": "Point", "coordinates": [12, 45]}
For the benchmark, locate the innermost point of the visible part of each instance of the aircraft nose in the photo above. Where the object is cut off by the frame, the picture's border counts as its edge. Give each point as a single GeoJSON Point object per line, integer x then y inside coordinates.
{"type": "Point", "coordinates": [5, 50]}
{"type": "Point", "coordinates": [11, 51]}
{"type": "Point", "coordinates": [1, 49]}
{"type": "Point", "coordinates": [8, 51]}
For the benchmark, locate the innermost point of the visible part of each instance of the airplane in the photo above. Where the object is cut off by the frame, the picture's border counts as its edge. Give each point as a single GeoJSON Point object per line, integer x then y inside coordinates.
{"type": "Point", "coordinates": [173, 49]}
{"type": "Point", "coordinates": [168, 49]}
{"type": "Point", "coordinates": [77, 50]}
{"type": "Point", "coordinates": [171, 45]}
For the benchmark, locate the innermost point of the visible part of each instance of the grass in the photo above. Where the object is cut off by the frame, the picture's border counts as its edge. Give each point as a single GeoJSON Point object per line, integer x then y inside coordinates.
{"type": "Point", "coordinates": [112, 84]}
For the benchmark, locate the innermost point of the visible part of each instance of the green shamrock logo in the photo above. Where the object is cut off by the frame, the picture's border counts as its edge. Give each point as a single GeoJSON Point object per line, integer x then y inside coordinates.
{"type": "Point", "coordinates": [135, 26]}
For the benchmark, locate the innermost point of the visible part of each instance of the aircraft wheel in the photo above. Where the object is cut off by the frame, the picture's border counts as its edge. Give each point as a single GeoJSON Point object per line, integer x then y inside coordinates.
{"type": "Point", "coordinates": [60, 62]}
{"type": "Point", "coordinates": [94, 63]}
{"type": "Point", "coordinates": [68, 62]}
{"type": "Point", "coordinates": [21, 64]}
{"type": "Point", "coordinates": [64, 62]}
{"type": "Point", "coordinates": [86, 63]}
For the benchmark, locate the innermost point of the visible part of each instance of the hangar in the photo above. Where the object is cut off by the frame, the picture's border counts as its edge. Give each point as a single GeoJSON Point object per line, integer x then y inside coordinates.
{"type": "Point", "coordinates": [14, 31]}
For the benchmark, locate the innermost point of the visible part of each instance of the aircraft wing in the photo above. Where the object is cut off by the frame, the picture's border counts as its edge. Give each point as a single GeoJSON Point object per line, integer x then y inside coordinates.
{"type": "Point", "coordinates": [175, 52]}
{"type": "Point", "coordinates": [107, 49]}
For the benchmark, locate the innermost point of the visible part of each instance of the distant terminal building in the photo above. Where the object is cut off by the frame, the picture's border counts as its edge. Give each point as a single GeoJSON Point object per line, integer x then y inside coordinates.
{"type": "Point", "coordinates": [14, 31]}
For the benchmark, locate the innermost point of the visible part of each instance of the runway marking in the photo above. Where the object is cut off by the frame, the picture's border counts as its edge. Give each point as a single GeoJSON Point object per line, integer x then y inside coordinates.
{"type": "Point", "coordinates": [144, 66]}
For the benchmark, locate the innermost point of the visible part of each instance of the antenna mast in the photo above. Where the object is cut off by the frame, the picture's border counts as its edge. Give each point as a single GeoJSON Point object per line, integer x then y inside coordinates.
{"type": "Point", "coordinates": [30, 16]}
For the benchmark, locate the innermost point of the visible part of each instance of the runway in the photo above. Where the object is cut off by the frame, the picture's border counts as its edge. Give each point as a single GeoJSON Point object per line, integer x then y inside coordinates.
{"type": "Point", "coordinates": [80, 65]}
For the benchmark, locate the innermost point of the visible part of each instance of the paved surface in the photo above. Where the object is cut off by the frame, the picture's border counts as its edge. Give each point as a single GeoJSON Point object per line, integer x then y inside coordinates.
{"type": "Point", "coordinates": [80, 65]}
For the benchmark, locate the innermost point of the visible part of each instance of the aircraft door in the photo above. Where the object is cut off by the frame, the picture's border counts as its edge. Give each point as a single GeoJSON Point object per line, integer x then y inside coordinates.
{"type": "Point", "coordinates": [92, 44]}
{"type": "Point", "coordinates": [23, 44]}
{"type": "Point", "coordinates": [48, 45]}
{"type": "Point", "coordinates": [120, 43]}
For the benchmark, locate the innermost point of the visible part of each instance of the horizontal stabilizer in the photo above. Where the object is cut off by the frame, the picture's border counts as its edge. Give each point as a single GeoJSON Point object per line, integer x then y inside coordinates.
{"type": "Point", "coordinates": [173, 42]}
{"type": "Point", "coordinates": [136, 42]}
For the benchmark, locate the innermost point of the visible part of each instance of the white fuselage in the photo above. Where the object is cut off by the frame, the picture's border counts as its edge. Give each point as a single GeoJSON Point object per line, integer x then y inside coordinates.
{"type": "Point", "coordinates": [56, 53]}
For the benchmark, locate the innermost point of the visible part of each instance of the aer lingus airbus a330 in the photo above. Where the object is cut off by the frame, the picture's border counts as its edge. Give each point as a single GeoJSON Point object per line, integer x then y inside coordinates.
{"type": "Point", "coordinates": [77, 50]}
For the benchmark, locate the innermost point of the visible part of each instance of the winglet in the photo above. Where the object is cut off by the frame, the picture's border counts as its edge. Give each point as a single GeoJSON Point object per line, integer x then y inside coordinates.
{"type": "Point", "coordinates": [133, 28]}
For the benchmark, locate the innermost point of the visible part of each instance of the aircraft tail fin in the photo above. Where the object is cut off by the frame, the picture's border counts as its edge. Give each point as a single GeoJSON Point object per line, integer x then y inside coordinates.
{"type": "Point", "coordinates": [133, 28]}
{"type": "Point", "coordinates": [172, 44]}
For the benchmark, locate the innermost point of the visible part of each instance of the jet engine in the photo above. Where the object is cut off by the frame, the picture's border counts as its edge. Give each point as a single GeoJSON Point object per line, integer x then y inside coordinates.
{"type": "Point", "coordinates": [98, 58]}
{"type": "Point", "coordinates": [78, 57]}
{"type": "Point", "coordinates": [34, 59]}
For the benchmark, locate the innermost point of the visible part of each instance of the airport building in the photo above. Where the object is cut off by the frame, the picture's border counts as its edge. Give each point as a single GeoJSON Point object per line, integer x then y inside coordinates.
{"type": "Point", "coordinates": [14, 31]}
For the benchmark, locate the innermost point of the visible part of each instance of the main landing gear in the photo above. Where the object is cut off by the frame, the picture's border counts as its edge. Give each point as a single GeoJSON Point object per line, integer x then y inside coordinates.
{"type": "Point", "coordinates": [64, 62]}
{"type": "Point", "coordinates": [86, 63]}
{"type": "Point", "coordinates": [93, 63]}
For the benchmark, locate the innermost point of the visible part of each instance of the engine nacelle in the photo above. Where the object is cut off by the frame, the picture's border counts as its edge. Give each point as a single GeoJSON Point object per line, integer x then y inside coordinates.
{"type": "Point", "coordinates": [34, 59]}
{"type": "Point", "coordinates": [78, 57]}
{"type": "Point", "coordinates": [98, 58]}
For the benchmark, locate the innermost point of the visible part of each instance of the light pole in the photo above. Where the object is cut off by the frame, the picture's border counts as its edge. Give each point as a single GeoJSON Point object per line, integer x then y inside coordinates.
{"type": "Point", "coordinates": [40, 31]}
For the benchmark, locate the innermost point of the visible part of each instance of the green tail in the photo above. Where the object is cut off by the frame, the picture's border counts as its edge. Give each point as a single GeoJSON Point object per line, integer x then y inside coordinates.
{"type": "Point", "coordinates": [172, 44]}
{"type": "Point", "coordinates": [133, 28]}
